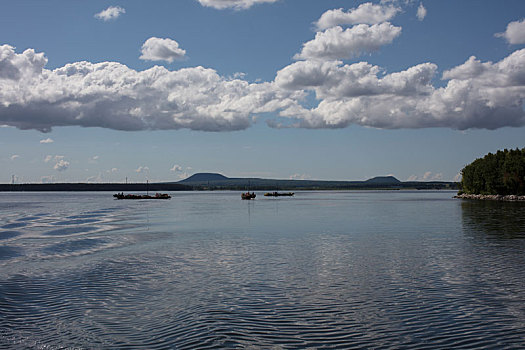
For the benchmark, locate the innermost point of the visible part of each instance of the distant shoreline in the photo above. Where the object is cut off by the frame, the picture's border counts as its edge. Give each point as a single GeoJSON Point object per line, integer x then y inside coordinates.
{"type": "Point", "coordinates": [491, 197]}
{"type": "Point", "coordinates": [158, 187]}
{"type": "Point", "coordinates": [90, 187]}
{"type": "Point", "coordinates": [217, 182]}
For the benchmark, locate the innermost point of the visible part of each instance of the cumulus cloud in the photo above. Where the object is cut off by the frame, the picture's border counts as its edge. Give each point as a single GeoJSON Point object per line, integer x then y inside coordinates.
{"type": "Point", "coordinates": [477, 95]}
{"type": "Point", "coordinates": [235, 4]}
{"type": "Point", "coordinates": [176, 167]}
{"type": "Point", "coordinates": [333, 80]}
{"type": "Point", "coordinates": [366, 13]}
{"type": "Point", "coordinates": [48, 140]}
{"type": "Point", "coordinates": [421, 12]}
{"type": "Point", "coordinates": [98, 178]}
{"type": "Point", "coordinates": [427, 176]}
{"type": "Point", "coordinates": [112, 12]}
{"type": "Point", "coordinates": [157, 49]}
{"type": "Point", "coordinates": [61, 164]}
{"type": "Point", "coordinates": [111, 95]}
{"type": "Point", "coordinates": [515, 33]}
{"type": "Point", "coordinates": [336, 43]}
{"type": "Point", "coordinates": [183, 175]}
{"type": "Point", "coordinates": [300, 177]}
{"type": "Point", "coordinates": [142, 169]}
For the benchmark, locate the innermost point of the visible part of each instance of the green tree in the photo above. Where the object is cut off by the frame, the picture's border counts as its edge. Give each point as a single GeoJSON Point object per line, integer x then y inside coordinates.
{"type": "Point", "coordinates": [499, 173]}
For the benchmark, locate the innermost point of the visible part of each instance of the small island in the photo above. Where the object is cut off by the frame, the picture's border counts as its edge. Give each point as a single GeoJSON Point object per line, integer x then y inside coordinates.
{"type": "Point", "coordinates": [499, 176]}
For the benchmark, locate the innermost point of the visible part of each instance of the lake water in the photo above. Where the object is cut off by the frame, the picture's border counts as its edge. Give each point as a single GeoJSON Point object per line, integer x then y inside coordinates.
{"type": "Point", "coordinates": [354, 270]}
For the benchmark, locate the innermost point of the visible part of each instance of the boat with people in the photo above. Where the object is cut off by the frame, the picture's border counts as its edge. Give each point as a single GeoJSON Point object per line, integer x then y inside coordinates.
{"type": "Point", "coordinates": [248, 195]}
{"type": "Point", "coordinates": [279, 194]}
{"type": "Point", "coordinates": [141, 196]}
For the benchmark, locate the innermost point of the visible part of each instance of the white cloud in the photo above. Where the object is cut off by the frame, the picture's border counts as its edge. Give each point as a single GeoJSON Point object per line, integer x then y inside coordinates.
{"type": "Point", "coordinates": [336, 43]}
{"type": "Point", "coordinates": [300, 177]}
{"type": "Point", "coordinates": [158, 49]}
{"type": "Point", "coordinates": [112, 12]}
{"type": "Point", "coordinates": [113, 170]}
{"type": "Point", "coordinates": [333, 80]}
{"type": "Point", "coordinates": [183, 175]}
{"type": "Point", "coordinates": [366, 13]}
{"type": "Point", "coordinates": [14, 156]}
{"type": "Point", "coordinates": [515, 33]}
{"type": "Point", "coordinates": [235, 4]}
{"type": "Point", "coordinates": [48, 140]}
{"type": "Point", "coordinates": [421, 12]}
{"type": "Point", "coordinates": [98, 178]}
{"type": "Point", "coordinates": [111, 95]}
{"type": "Point", "coordinates": [176, 167]}
{"type": "Point", "coordinates": [478, 95]}
{"type": "Point", "coordinates": [142, 169]}
{"type": "Point", "coordinates": [427, 176]}
{"type": "Point", "coordinates": [61, 165]}
{"type": "Point", "coordinates": [457, 178]}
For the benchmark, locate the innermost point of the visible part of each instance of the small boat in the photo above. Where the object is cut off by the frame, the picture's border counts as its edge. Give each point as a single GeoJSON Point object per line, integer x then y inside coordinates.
{"type": "Point", "coordinates": [248, 195]}
{"type": "Point", "coordinates": [141, 196]}
{"type": "Point", "coordinates": [279, 194]}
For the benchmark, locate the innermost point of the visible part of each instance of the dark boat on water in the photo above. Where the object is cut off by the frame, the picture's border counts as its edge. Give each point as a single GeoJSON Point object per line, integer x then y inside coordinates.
{"type": "Point", "coordinates": [248, 195]}
{"type": "Point", "coordinates": [278, 194]}
{"type": "Point", "coordinates": [142, 196]}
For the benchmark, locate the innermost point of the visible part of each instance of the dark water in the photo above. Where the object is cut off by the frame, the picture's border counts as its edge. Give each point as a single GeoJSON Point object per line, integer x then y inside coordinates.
{"type": "Point", "coordinates": [207, 270]}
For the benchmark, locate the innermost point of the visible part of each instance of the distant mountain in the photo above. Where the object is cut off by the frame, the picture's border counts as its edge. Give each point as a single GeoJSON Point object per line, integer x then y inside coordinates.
{"type": "Point", "coordinates": [213, 181]}
{"type": "Point", "coordinates": [204, 177]}
{"type": "Point", "coordinates": [383, 180]}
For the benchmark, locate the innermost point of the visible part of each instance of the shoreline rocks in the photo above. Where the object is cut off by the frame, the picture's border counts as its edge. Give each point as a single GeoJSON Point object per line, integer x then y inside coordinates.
{"type": "Point", "coordinates": [491, 197]}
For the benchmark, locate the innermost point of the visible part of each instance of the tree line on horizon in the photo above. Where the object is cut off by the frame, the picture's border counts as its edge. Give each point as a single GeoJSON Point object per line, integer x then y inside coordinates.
{"type": "Point", "coordinates": [501, 173]}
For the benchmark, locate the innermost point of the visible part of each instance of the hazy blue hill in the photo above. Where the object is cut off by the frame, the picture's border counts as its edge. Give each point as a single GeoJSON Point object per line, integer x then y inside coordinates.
{"type": "Point", "coordinates": [384, 180]}
{"type": "Point", "coordinates": [205, 177]}
{"type": "Point", "coordinates": [213, 181]}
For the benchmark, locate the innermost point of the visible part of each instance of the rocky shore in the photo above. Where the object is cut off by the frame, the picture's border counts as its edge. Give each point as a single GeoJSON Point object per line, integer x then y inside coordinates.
{"type": "Point", "coordinates": [491, 197]}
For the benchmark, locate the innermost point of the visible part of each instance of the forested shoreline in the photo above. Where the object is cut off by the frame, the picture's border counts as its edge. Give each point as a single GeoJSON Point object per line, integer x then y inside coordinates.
{"type": "Point", "coordinates": [497, 174]}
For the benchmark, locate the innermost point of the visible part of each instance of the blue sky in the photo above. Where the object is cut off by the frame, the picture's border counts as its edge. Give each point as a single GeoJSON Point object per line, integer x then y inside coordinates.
{"type": "Point", "coordinates": [102, 91]}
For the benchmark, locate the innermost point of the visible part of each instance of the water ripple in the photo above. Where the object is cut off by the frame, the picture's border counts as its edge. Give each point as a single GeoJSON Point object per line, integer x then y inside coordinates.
{"type": "Point", "coordinates": [174, 275]}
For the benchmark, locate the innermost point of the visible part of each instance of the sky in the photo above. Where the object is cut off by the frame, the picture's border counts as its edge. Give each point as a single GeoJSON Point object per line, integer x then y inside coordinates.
{"type": "Point", "coordinates": [135, 90]}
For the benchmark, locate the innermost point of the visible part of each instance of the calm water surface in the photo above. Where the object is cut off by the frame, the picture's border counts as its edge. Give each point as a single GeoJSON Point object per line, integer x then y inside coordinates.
{"type": "Point", "coordinates": [207, 270]}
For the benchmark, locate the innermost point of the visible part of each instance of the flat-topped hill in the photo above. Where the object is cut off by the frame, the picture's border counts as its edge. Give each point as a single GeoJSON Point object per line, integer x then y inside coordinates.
{"type": "Point", "coordinates": [383, 180]}
{"type": "Point", "coordinates": [204, 177]}
{"type": "Point", "coordinates": [214, 181]}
